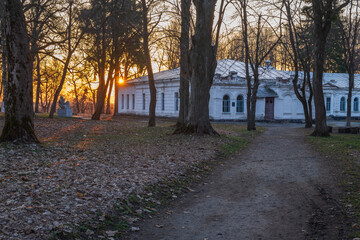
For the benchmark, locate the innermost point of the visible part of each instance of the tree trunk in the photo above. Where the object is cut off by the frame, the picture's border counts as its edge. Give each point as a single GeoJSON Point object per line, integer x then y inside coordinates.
{"type": "Point", "coordinates": [108, 103]}
{"type": "Point", "coordinates": [117, 78]}
{"type": "Point", "coordinates": [19, 115]}
{"type": "Point", "coordinates": [348, 110]}
{"type": "Point", "coordinates": [322, 26]}
{"type": "Point", "coordinates": [203, 65]}
{"type": "Point", "coordinates": [321, 128]}
{"type": "Point", "coordinates": [4, 62]}
{"type": "Point", "coordinates": [38, 83]}
{"type": "Point", "coordinates": [184, 64]}
{"type": "Point", "coordinates": [145, 33]}
{"type": "Point", "coordinates": [102, 90]}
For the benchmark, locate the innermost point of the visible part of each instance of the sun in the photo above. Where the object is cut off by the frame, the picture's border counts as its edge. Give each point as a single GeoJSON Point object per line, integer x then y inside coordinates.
{"type": "Point", "coordinates": [121, 81]}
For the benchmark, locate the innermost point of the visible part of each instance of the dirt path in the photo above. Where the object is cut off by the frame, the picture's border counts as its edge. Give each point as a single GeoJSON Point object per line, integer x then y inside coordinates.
{"type": "Point", "coordinates": [276, 189]}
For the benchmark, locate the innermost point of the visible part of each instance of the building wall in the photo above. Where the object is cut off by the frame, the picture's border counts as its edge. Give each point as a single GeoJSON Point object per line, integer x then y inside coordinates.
{"type": "Point", "coordinates": [286, 105]}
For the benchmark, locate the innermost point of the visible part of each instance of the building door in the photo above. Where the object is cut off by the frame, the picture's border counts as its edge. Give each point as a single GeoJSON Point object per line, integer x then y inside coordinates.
{"type": "Point", "coordinates": [269, 108]}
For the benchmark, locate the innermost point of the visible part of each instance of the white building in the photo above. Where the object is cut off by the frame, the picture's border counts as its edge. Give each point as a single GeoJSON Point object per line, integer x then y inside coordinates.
{"type": "Point", "coordinates": [276, 98]}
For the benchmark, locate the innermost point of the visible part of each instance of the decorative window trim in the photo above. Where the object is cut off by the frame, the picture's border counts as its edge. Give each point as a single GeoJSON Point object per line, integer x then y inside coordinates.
{"type": "Point", "coordinates": [226, 104]}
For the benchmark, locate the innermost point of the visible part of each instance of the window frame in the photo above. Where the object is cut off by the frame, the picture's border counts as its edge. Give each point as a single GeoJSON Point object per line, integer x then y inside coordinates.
{"type": "Point", "coordinates": [342, 104]}
{"type": "Point", "coordinates": [133, 101]}
{"type": "Point", "coordinates": [144, 101]}
{"type": "Point", "coordinates": [226, 108]}
{"type": "Point", "coordinates": [176, 95]}
{"type": "Point", "coordinates": [240, 104]}
{"type": "Point", "coordinates": [356, 104]}
{"type": "Point", "coordinates": [328, 104]}
{"type": "Point", "coordinates": [122, 101]}
{"type": "Point", "coordinates": [162, 101]}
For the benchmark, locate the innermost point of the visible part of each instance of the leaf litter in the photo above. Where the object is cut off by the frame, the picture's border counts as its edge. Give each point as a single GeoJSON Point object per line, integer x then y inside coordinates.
{"type": "Point", "coordinates": [84, 167]}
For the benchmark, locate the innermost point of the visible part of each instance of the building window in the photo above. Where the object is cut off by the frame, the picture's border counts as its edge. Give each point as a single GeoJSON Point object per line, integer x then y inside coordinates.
{"type": "Point", "coordinates": [127, 101]}
{"type": "Point", "coordinates": [356, 104]}
{"type": "Point", "coordinates": [176, 101]}
{"type": "Point", "coordinates": [240, 104]}
{"type": "Point", "coordinates": [226, 104]}
{"type": "Point", "coordinates": [143, 101]}
{"type": "Point", "coordinates": [328, 104]}
{"type": "Point", "coordinates": [122, 101]}
{"type": "Point", "coordinates": [133, 97]}
{"type": "Point", "coordinates": [162, 101]}
{"type": "Point", "coordinates": [342, 104]}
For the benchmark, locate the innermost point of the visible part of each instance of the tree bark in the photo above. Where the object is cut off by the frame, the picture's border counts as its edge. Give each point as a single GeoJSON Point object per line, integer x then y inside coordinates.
{"type": "Point", "coordinates": [321, 30]}
{"type": "Point", "coordinates": [349, 100]}
{"type": "Point", "coordinates": [108, 103]}
{"type": "Point", "coordinates": [117, 78]}
{"type": "Point", "coordinates": [145, 35]}
{"type": "Point", "coordinates": [3, 56]}
{"type": "Point", "coordinates": [323, 14]}
{"type": "Point", "coordinates": [38, 83]}
{"type": "Point", "coordinates": [203, 65]}
{"type": "Point", "coordinates": [184, 64]}
{"type": "Point", "coordinates": [19, 115]}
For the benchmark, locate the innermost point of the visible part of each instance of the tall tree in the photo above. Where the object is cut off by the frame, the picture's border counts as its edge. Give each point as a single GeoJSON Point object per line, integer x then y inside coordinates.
{"type": "Point", "coordinates": [41, 15]}
{"type": "Point", "coordinates": [19, 115]}
{"type": "Point", "coordinates": [349, 27]}
{"type": "Point", "coordinates": [202, 66]}
{"type": "Point", "coordinates": [73, 36]}
{"type": "Point", "coordinates": [111, 31]}
{"type": "Point", "coordinates": [256, 52]}
{"type": "Point", "coordinates": [148, 26]}
{"type": "Point", "coordinates": [324, 12]}
{"type": "Point", "coordinates": [300, 53]}
{"type": "Point", "coordinates": [184, 64]}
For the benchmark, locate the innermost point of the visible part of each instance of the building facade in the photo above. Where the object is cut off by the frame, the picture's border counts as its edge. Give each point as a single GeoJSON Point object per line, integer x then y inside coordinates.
{"type": "Point", "coordinates": [276, 98]}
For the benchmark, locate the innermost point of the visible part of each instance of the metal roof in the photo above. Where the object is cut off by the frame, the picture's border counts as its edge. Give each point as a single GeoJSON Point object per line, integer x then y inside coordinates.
{"type": "Point", "coordinates": [225, 66]}
{"type": "Point", "coordinates": [266, 92]}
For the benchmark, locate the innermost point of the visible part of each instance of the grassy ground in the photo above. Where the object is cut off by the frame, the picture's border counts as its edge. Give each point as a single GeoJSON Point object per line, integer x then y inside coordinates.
{"type": "Point", "coordinates": [345, 149]}
{"type": "Point", "coordinates": [119, 220]}
{"type": "Point", "coordinates": [91, 179]}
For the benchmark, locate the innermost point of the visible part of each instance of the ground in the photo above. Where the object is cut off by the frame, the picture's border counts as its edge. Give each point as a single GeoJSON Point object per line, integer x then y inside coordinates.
{"type": "Point", "coordinates": [278, 188]}
{"type": "Point", "coordinates": [97, 179]}
{"type": "Point", "coordinates": [83, 168]}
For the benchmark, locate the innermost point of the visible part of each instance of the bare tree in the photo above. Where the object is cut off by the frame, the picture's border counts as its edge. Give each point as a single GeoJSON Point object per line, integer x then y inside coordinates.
{"type": "Point", "coordinates": [349, 27]}
{"type": "Point", "coordinates": [184, 64]}
{"type": "Point", "coordinates": [255, 54]}
{"type": "Point", "coordinates": [323, 14]}
{"type": "Point", "coordinates": [300, 54]}
{"type": "Point", "coordinates": [149, 26]}
{"type": "Point", "coordinates": [41, 15]}
{"type": "Point", "coordinates": [73, 37]}
{"type": "Point", "coordinates": [19, 115]}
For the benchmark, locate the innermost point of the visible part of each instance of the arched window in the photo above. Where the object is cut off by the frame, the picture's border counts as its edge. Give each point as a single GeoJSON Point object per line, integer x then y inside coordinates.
{"type": "Point", "coordinates": [356, 104]}
{"type": "Point", "coordinates": [240, 104]}
{"type": "Point", "coordinates": [342, 104]}
{"type": "Point", "coordinates": [226, 104]}
{"type": "Point", "coordinates": [328, 104]}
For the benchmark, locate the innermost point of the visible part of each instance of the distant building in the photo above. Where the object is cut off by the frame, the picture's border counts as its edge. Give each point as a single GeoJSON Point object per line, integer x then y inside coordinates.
{"type": "Point", "coordinates": [276, 98]}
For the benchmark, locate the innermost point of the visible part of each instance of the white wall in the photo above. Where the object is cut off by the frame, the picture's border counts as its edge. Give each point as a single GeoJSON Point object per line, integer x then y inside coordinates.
{"type": "Point", "coordinates": [287, 106]}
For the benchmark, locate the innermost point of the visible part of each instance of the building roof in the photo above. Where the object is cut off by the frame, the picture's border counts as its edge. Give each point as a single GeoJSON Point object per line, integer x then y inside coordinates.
{"type": "Point", "coordinates": [264, 92]}
{"type": "Point", "coordinates": [226, 67]}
